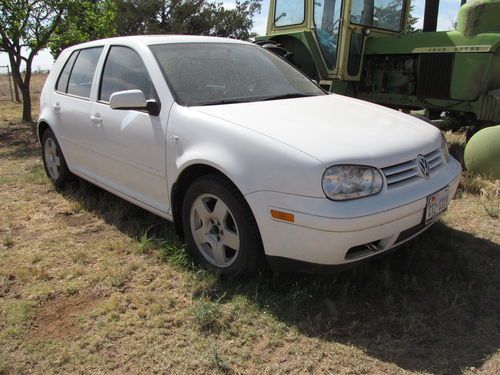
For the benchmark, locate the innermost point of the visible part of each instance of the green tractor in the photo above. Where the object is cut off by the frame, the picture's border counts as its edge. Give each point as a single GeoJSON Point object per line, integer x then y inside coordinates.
{"type": "Point", "coordinates": [360, 48]}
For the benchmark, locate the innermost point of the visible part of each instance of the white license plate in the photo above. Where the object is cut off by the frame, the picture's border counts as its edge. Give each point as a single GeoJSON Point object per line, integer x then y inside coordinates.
{"type": "Point", "coordinates": [436, 205]}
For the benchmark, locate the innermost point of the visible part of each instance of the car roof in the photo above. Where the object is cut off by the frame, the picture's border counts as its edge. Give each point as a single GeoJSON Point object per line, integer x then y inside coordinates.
{"type": "Point", "coordinates": [159, 39]}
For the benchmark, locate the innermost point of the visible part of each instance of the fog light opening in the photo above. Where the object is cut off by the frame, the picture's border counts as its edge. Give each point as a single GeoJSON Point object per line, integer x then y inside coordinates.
{"type": "Point", "coordinates": [362, 250]}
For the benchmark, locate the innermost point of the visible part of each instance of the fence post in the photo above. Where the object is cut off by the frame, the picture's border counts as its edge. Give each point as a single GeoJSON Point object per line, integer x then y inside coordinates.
{"type": "Point", "coordinates": [16, 91]}
{"type": "Point", "coordinates": [10, 83]}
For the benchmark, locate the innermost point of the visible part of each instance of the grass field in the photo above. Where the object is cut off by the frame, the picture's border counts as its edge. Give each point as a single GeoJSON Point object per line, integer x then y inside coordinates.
{"type": "Point", "coordinates": [91, 284]}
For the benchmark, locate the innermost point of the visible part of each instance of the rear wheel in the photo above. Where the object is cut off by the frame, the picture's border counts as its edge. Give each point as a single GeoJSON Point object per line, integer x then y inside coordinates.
{"type": "Point", "coordinates": [53, 160]}
{"type": "Point", "coordinates": [220, 230]}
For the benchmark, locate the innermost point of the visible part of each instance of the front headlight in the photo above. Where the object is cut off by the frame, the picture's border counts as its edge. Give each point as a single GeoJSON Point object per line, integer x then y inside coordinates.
{"type": "Point", "coordinates": [444, 148]}
{"type": "Point", "coordinates": [343, 182]}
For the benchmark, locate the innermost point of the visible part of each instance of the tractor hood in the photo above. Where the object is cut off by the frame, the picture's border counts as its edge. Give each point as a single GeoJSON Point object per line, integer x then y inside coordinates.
{"type": "Point", "coordinates": [432, 42]}
{"type": "Point", "coordinates": [335, 129]}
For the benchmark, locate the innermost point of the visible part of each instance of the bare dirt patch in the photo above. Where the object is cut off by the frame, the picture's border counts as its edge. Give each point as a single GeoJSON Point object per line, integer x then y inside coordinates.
{"type": "Point", "coordinates": [60, 318]}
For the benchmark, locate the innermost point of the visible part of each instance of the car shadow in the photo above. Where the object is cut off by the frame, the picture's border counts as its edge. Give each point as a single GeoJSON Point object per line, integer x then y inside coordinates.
{"type": "Point", "coordinates": [430, 306]}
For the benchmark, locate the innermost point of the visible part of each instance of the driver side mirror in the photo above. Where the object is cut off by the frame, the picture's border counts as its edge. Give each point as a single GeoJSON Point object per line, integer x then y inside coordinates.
{"type": "Point", "coordinates": [134, 99]}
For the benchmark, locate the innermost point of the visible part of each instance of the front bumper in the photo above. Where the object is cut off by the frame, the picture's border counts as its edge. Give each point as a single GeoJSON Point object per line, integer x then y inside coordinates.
{"type": "Point", "coordinates": [337, 233]}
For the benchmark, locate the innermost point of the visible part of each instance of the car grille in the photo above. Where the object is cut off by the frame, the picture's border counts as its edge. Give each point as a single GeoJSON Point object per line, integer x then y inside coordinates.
{"type": "Point", "coordinates": [407, 172]}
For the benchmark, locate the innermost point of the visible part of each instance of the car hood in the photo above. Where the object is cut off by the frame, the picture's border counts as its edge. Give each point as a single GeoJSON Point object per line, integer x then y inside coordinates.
{"type": "Point", "coordinates": [335, 129]}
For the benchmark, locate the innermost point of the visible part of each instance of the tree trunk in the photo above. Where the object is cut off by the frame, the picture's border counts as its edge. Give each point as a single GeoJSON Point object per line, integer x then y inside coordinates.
{"type": "Point", "coordinates": [24, 85]}
{"type": "Point", "coordinates": [25, 91]}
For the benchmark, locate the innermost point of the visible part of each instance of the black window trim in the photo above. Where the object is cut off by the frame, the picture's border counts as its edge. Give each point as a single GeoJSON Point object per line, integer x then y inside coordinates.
{"type": "Point", "coordinates": [292, 24]}
{"type": "Point", "coordinates": [71, 71]}
{"type": "Point", "coordinates": [102, 76]}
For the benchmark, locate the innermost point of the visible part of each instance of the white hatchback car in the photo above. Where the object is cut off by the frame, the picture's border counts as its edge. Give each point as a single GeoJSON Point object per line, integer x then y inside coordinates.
{"type": "Point", "coordinates": [243, 152]}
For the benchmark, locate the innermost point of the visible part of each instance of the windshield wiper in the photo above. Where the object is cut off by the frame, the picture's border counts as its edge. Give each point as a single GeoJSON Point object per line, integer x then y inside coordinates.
{"type": "Point", "coordinates": [290, 95]}
{"type": "Point", "coordinates": [222, 101]}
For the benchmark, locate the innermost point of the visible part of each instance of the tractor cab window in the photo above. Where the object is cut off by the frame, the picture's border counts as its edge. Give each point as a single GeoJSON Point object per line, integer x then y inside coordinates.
{"type": "Point", "coordinates": [381, 14]}
{"type": "Point", "coordinates": [289, 12]}
{"type": "Point", "coordinates": [327, 15]}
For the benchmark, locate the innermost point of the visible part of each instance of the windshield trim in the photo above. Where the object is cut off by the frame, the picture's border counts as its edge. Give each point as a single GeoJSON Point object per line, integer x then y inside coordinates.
{"type": "Point", "coordinates": [401, 20]}
{"type": "Point", "coordinates": [258, 99]}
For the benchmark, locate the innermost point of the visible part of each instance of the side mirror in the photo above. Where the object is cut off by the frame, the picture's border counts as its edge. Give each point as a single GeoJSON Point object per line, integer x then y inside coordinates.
{"type": "Point", "coordinates": [133, 99]}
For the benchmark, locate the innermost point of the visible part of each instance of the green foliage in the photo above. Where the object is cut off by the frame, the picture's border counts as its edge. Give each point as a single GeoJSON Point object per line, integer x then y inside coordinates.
{"type": "Point", "coordinates": [146, 244]}
{"type": "Point", "coordinates": [205, 315]}
{"type": "Point", "coordinates": [27, 23]}
{"type": "Point", "coordinates": [175, 254]}
{"type": "Point", "coordinates": [83, 21]}
{"type": "Point", "coordinates": [25, 29]}
{"type": "Point", "coordinates": [412, 20]}
{"type": "Point", "coordinates": [95, 19]}
{"type": "Point", "coordinates": [198, 17]}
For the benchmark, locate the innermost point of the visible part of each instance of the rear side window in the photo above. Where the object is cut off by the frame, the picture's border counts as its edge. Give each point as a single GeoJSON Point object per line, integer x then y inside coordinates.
{"type": "Point", "coordinates": [124, 70]}
{"type": "Point", "coordinates": [82, 74]}
{"type": "Point", "coordinates": [62, 82]}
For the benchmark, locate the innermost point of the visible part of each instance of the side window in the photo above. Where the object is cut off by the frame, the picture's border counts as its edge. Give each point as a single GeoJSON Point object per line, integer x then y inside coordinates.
{"type": "Point", "coordinates": [289, 12]}
{"type": "Point", "coordinates": [124, 70]}
{"type": "Point", "coordinates": [80, 80]}
{"type": "Point", "coordinates": [62, 82]}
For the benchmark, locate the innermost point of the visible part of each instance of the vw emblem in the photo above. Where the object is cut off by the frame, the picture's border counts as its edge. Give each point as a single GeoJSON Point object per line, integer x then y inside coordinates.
{"type": "Point", "coordinates": [423, 167]}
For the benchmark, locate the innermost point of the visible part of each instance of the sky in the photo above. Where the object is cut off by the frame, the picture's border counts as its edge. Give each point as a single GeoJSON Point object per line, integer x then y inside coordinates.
{"type": "Point", "coordinates": [447, 13]}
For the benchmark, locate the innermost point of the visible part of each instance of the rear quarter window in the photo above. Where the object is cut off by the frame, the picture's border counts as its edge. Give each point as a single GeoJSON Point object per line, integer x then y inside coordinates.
{"type": "Point", "coordinates": [62, 81]}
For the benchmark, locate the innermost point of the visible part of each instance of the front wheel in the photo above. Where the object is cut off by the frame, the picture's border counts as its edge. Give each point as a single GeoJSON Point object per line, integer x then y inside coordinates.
{"type": "Point", "coordinates": [53, 160]}
{"type": "Point", "coordinates": [219, 227]}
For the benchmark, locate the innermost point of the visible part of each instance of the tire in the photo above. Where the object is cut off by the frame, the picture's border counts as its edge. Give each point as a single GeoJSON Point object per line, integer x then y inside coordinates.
{"type": "Point", "coordinates": [220, 230]}
{"type": "Point", "coordinates": [53, 160]}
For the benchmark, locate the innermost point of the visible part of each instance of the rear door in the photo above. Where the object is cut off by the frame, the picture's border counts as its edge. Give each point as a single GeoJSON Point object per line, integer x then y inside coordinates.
{"type": "Point", "coordinates": [71, 105]}
{"type": "Point", "coordinates": [131, 143]}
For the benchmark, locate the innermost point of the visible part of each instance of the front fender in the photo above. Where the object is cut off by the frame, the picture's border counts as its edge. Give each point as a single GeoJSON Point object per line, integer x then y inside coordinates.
{"type": "Point", "coordinates": [252, 161]}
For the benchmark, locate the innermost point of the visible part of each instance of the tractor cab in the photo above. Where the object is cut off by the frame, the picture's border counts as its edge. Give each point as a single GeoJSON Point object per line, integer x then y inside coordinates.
{"type": "Point", "coordinates": [360, 48]}
{"type": "Point", "coordinates": [334, 30]}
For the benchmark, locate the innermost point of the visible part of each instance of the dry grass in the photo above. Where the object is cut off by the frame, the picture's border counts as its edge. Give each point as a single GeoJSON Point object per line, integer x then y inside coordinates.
{"type": "Point", "coordinates": [37, 81]}
{"type": "Point", "coordinates": [92, 284]}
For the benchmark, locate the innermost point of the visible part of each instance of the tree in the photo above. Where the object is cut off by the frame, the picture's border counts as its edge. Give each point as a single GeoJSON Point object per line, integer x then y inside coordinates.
{"type": "Point", "coordinates": [25, 28]}
{"type": "Point", "coordinates": [83, 21]}
{"type": "Point", "coordinates": [412, 20]}
{"type": "Point", "coordinates": [199, 17]}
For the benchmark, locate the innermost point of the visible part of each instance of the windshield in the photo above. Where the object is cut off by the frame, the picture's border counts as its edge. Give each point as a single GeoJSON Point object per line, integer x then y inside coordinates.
{"type": "Point", "coordinates": [382, 14]}
{"type": "Point", "coordinates": [222, 73]}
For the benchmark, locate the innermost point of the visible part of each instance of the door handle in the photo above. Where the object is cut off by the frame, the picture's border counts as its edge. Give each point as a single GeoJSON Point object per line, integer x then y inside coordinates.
{"type": "Point", "coordinates": [57, 107]}
{"type": "Point", "coordinates": [96, 119]}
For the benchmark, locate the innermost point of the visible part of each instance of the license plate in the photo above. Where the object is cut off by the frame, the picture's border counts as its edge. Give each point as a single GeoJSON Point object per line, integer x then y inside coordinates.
{"type": "Point", "coordinates": [436, 205]}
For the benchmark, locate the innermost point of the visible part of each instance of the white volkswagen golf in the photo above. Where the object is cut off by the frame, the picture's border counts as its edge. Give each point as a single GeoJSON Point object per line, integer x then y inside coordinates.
{"type": "Point", "coordinates": [247, 156]}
